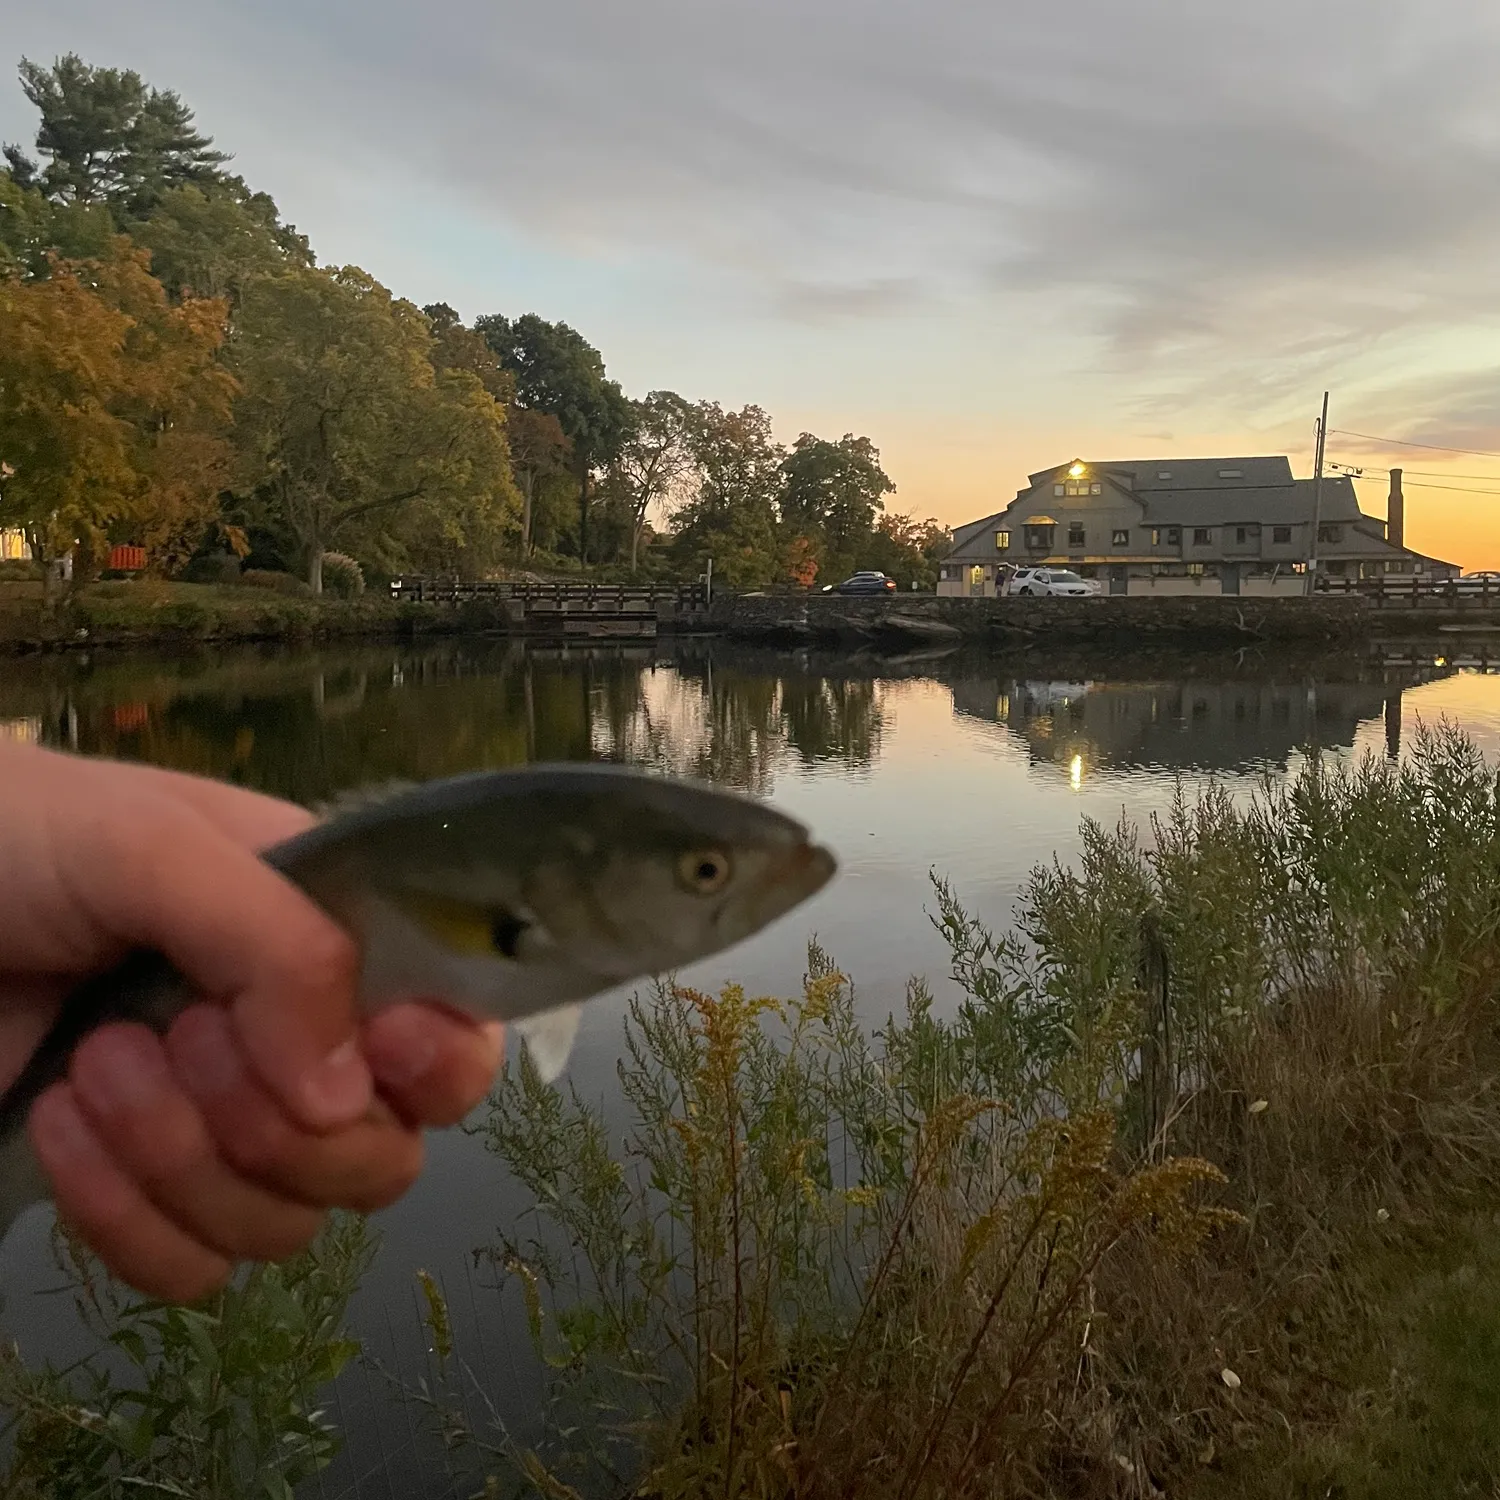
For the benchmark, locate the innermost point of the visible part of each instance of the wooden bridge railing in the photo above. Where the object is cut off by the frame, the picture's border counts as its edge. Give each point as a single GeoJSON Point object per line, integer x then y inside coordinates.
{"type": "Point", "coordinates": [1396, 589]}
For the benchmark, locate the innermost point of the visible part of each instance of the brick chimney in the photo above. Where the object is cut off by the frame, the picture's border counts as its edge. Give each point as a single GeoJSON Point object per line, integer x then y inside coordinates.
{"type": "Point", "coordinates": [1395, 514]}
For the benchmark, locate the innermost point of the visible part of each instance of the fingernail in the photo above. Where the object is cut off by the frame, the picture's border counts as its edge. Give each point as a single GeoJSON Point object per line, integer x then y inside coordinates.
{"type": "Point", "coordinates": [401, 1047]}
{"type": "Point", "coordinates": [339, 1089]}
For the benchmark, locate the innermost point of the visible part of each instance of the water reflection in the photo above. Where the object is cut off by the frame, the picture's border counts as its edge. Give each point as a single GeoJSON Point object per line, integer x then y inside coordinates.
{"type": "Point", "coordinates": [1204, 724]}
{"type": "Point", "coordinates": [304, 726]}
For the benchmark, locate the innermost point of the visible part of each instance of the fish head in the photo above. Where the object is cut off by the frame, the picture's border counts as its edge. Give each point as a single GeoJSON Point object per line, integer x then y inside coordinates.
{"type": "Point", "coordinates": [668, 873]}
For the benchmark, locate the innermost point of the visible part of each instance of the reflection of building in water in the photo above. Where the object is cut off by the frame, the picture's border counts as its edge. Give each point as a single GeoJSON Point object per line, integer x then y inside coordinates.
{"type": "Point", "coordinates": [1229, 726]}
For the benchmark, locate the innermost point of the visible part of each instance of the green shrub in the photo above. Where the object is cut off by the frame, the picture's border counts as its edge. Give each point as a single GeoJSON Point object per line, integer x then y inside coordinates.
{"type": "Point", "coordinates": [19, 570]}
{"type": "Point", "coordinates": [221, 1399]}
{"type": "Point", "coordinates": [212, 567]}
{"type": "Point", "coordinates": [342, 576]}
{"type": "Point", "coordinates": [281, 583]}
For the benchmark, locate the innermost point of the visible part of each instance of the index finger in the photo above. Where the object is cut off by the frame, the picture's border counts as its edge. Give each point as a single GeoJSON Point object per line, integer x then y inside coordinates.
{"type": "Point", "coordinates": [155, 873]}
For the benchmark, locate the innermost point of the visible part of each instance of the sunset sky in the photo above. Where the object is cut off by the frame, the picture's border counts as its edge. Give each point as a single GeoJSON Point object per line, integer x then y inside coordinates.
{"type": "Point", "coordinates": [991, 236]}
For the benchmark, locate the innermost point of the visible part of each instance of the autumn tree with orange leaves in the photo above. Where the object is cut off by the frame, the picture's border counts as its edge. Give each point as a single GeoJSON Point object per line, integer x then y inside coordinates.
{"type": "Point", "coordinates": [113, 409]}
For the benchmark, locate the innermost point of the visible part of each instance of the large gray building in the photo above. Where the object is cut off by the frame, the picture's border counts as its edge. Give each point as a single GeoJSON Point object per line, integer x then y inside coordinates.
{"type": "Point", "coordinates": [1177, 526]}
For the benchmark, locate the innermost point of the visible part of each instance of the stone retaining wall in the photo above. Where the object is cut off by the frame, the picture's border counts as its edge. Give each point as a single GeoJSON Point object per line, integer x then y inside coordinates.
{"type": "Point", "coordinates": [1117, 619]}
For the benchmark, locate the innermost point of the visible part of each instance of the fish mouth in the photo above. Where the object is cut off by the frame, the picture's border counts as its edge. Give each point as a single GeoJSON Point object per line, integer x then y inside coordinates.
{"type": "Point", "coordinates": [800, 873]}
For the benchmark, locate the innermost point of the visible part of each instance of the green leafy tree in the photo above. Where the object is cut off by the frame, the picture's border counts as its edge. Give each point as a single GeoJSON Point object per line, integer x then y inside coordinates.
{"type": "Point", "coordinates": [541, 459]}
{"type": "Point", "coordinates": [731, 516]}
{"type": "Point", "coordinates": [349, 434]}
{"type": "Point", "coordinates": [559, 372]}
{"type": "Point", "coordinates": [206, 242]}
{"type": "Point", "coordinates": [654, 461]}
{"type": "Point", "coordinates": [832, 493]}
{"type": "Point", "coordinates": [909, 550]}
{"type": "Point", "coordinates": [105, 137]}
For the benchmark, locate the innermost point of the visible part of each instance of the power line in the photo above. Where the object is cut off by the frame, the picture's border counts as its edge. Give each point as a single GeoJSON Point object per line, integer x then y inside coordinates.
{"type": "Point", "coordinates": [1423, 473]}
{"type": "Point", "coordinates": [1402, 443]}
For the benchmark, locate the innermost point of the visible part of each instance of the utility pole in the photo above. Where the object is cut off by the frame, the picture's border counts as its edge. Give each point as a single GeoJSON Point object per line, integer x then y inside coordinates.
{"type": "Point", "coordinates": [1312, 554]}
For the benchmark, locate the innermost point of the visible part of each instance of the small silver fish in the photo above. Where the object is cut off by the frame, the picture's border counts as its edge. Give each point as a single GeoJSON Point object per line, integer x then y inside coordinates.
{"type": "Point", "coordinates": [510, 895]}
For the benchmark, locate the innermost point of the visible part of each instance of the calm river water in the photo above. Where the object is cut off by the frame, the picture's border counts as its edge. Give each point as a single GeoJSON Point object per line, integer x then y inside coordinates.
{"type": "Point", "coordinates": [977, 768]}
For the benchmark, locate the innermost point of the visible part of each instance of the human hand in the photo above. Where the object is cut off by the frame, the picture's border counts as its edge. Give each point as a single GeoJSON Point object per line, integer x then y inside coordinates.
{"type": "Point", "coordinates": [264, 1106]}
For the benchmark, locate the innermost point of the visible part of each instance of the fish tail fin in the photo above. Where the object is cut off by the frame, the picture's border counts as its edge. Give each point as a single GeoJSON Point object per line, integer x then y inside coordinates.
{"type": "Point", "coordinates": [22, 1181]}
{"type": "Point", "coordinates": [549, 1039]}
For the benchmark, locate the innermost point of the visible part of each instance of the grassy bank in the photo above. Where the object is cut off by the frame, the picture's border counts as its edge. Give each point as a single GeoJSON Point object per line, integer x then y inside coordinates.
{"type": "Point", "coordinates": [1194, 1194]}
{"type": "Point", "coordinates": [147, 613]}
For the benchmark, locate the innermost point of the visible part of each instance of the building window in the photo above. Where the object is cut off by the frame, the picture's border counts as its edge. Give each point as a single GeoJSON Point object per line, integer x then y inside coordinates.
{"type": "Point", "coordinates": [1096, 488]}
{"type": "Point", "coordinates": [1075, 535]}
{"type": "Point", "coordinates": [1241, 535]}
{"type": "Point", "coordinates": [1330, 533]}
{"type": "Point", "coordinates": [1120, 539]}
{"type": "Point", "coordinates": [1281, 536]}
{"type": "Point", "coordinates": [1002, 541]}
{"type": "Point", "coordinates": [1231, 473]}
{"type": "Point", "coordinates": [1201, 536]}
{"type": "Point", "coordinates": [1195, 570]}
{"type": "Point", "coordinates": [1059, 490]}
{"type": "Point", "coordinates": [1174, 536]}
{"type": "Point", "coordinates": [1039, 537]}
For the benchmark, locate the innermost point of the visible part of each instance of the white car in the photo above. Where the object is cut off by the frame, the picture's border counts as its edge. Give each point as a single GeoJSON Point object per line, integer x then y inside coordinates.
{"type": "Point", "coordinates": [1053, 581]}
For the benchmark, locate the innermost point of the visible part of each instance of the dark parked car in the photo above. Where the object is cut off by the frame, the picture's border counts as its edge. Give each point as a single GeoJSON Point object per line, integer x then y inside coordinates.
{"type": "Point", "coordinates": [863, 583]}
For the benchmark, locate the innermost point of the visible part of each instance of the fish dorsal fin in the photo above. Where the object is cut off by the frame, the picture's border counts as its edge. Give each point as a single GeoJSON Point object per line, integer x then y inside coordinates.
{"type": "Point", "coordinates": [358, 798]}
{"type": "Point", "coordinates": [549, 1039]}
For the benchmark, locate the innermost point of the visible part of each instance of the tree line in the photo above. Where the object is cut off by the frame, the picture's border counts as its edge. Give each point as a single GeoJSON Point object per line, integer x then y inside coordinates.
{"type": "Point", "coordinates": [178, 372]}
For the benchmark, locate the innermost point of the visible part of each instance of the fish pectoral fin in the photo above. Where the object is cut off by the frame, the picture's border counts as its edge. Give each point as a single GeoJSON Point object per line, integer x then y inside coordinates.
{"type": "Point", "coordinates": [549, 1039]}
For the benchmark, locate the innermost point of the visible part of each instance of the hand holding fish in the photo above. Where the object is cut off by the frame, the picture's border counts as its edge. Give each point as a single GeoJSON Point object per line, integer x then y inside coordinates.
{"type": "Point", "coordinates": [222, 1058]}
{"type": "Point", "coordinates": [231, 1136]}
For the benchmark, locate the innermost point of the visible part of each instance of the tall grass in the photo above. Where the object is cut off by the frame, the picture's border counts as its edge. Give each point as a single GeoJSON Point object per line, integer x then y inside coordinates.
{"type": "Point", "coordinates": [1106, 1228]}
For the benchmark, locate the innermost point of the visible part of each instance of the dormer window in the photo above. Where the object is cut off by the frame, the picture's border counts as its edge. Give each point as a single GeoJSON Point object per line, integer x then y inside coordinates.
{"type": "Point", "coordinates": [1039, 534]}
{"type": "Point", "coordinates": [1165, 474]}
{"type": "Point", "coordinates": [1231, 473]}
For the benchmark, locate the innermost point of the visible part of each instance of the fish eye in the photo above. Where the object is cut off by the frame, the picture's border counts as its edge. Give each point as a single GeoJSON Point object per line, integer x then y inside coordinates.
{"type": "Point", "coordinates": [703, 871]}
{"type": "Point", "coordinates": [506, 932]}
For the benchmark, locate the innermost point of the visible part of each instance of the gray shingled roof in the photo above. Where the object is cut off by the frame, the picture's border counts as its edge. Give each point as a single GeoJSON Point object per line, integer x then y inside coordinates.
{"type": "Point", "coordinates": [1189, 474]}
{"type": "Point", "coordinates": [1238, 504]}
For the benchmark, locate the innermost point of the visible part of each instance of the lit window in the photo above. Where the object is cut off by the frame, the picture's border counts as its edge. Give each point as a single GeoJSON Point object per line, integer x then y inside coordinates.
{"type": "Point", "coordinates": [1165, 474]}
{"type": "Point", "coordinates": [1195, 570]}
{"type": "Point", "coordinates": [1281, 535]}
{"type": "Point", "coordinates": [1002, 541]}
{"type": "Point", "coordinates": [1120, 539]}
{"type": "Point", "coordinates": [1156, 536]}
{"type": "Point", "coordinates": [1201, 536]}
